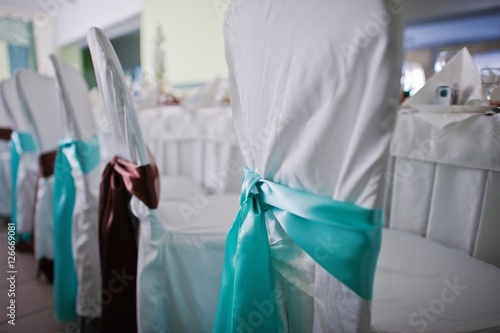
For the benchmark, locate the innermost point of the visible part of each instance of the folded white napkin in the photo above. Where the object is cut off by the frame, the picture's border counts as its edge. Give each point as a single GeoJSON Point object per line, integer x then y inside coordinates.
{"type": "Point", "coordinates": [460, 70]}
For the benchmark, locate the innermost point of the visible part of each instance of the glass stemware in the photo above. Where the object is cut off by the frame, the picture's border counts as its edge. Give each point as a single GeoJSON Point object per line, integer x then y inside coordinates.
{"type": "Point", "coordinates": [490, 79]}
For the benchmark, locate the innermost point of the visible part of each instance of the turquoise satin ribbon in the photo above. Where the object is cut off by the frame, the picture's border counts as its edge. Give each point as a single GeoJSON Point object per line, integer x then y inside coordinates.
{"type": "Point", "coordinates": [72, 154]}
{"type": "Point", "coordinates": [20, 143]}
{"type": "Point", "coordinates": [341, 237]}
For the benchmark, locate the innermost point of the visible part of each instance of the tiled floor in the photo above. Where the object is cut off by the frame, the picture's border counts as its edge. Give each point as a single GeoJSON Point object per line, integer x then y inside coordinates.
{"type": "Point", "coordinates": [33, 298]}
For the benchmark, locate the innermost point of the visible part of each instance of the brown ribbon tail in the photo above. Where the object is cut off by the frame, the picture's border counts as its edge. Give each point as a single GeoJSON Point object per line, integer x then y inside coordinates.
{"type": "Point", "coordinates": [117, 239]}
{"type": "Point", "coordinates": [5, 133]}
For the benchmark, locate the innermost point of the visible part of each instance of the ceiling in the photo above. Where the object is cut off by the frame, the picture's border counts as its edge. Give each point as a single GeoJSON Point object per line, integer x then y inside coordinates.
{"type": "Point", "coordinates": [428, 22]}
{"type": "Point", "coordinates": [446, 22]}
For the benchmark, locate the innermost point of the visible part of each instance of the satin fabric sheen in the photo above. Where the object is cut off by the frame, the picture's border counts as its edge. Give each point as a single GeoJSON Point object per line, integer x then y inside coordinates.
{"type": "Point", "coordinates": [84, 156]}
{"type": "Point", "coordinates": [117, 235]}
{"type": "Point", "coordinates": [341, 237]}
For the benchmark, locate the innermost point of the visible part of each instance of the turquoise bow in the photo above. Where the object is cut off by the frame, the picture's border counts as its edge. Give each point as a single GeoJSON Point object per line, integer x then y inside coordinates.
{"type": "Point", "coordinates": [84, 156]}
{"type": "Point", "coordinates": [341, 237]}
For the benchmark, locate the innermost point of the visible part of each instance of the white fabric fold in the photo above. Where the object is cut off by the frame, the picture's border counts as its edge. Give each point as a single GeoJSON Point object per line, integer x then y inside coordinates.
{"type": "Point", "coordinates": [5, 203]}
{"type": "Point", "coordinates": [27, 177]}
{"type": "Point", "coordinates": [44, 217]}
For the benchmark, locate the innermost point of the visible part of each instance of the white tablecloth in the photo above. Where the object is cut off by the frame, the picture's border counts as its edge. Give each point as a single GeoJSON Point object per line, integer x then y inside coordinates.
{"type": "Point", "coordinates": [201, 145]}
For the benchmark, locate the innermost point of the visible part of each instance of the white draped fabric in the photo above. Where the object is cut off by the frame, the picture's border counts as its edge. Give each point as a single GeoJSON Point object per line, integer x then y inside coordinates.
{"type": "Point", "coordinates": [78, 123]}
{"type": "Point", "coordinates": [198, 144]}
{"type": "Point", "coordinates": [38, 100]}
{"type": "Point", "coordinates": [4, 163]}
{"type": "Point", "coordinates": [27, 173]}
{"type": "Point", "coordinates": [314, 89]}
{"type": "Point", "coordinates": [5, 178]}
{"type": "Point", "coordinates": [445, 182]}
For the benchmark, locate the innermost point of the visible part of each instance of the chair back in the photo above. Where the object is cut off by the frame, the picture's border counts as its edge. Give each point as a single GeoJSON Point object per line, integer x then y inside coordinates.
{"type": "Point", "coordinates": [37, 95]}
{"type": "Point", "coordinates": [10, 101]}
{"type": "Point", "coordinates": [78, 119]}
{"type": "Point", "coordinates": [444, 183]}
{"type": "Point", "coordinates": [4, 117]}
{"type": "Point", "coordinates": [117, 99]}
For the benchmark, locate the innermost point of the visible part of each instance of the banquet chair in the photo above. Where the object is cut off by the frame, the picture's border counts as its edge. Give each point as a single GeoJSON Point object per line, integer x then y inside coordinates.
{"type": "Point", "coordinates": [180, 242]}
{"type": "Point", "coordinates": [76, 192]}
{"type": "Point", "coordinates": [313, 89]}
{"type": "Point", "coordinates": [23, 166]}
{"type": "Point", "coordinates": [439, 268]}
{"type": "Point", "coordinates": [37, 96]}
{"type": "Point", "coordinates": [5, 133]}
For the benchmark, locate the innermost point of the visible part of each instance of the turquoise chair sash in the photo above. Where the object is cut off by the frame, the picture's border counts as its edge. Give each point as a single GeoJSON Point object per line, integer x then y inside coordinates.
{"type": "Point", "coordinates": [20, 143]}
{"type": "Point", "coordinates": [341, 237]}
{"type": "Point", "coordinates": [72, 154]}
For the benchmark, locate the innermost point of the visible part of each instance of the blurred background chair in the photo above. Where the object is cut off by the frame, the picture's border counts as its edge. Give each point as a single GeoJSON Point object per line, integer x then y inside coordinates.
{"type": "Point", "coordinates": [76, 192]}
{"type": "Point", "coordinates": [180, 245]}
{"type": "Point", "coordinates": [37, 95]}
{"type": "Point", "coordinates": [5, 133]}
{"type": "Point", "coordinates": [23, 166]}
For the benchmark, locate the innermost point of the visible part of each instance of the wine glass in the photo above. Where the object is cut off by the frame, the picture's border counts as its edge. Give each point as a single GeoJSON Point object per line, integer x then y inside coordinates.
{"type": "Point", "coordinates": [490, 78]}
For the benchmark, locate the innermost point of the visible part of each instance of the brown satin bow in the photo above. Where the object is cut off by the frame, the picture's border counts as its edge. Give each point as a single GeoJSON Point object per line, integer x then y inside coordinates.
{"type": "Point", "coordinates": [5, 133]}
{"type": "Point", "coordinates": [117, 239]}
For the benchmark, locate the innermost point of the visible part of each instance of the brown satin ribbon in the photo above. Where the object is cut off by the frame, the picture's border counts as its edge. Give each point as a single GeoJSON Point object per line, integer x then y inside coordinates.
{"type": "Point", "coordinates": [117, 239]}
{"type": "Point", "coordinates": [46, 163]}
{"type": "Point", "coordinates": [5, 133]}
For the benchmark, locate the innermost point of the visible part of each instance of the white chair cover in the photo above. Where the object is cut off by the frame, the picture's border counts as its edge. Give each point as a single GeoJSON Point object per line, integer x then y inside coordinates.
{"type": "Point", "coordinates": [4, 163]}
{"type": "Point", "coordinates": [314, 88]}
{"type": "Point", "coordinates": [181, 252]}
{"type": "Point", "coordinates": [37, 95]}
{"type": "Point", "coordinates": [27, 173]}
{"type": "Point", "coordinates": [78, 124]}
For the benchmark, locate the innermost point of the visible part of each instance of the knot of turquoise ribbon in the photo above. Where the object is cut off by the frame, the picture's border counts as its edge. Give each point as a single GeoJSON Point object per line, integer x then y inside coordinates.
{"type": "Point", "coordinates": [341, 237]}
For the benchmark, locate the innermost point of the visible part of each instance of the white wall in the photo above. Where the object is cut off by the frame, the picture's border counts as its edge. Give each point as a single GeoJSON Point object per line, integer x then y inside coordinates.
{"type": "Point", "coordinates": [74, 18]}
{"type": "Point", "coordinates": [194, 38]}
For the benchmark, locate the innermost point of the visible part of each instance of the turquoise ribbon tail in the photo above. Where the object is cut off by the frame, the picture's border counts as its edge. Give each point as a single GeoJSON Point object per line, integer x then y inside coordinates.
{"type": "Point", "coordinates": [84, 156]}
{"type": "Point", "coordinates": [343, 238]}
{"type": "Point", "coordinates": [20, 143]}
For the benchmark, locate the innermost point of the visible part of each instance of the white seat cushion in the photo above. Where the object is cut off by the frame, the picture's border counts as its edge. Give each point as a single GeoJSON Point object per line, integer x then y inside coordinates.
{"type": "Point", "coordinates": [182, 262]}
{"type": "Point", "coordinates": [422, 286]}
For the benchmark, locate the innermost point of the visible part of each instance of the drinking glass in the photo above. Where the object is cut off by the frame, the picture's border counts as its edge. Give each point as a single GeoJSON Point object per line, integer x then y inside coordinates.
{"type": "Point", "coordinates": [490, 78]}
